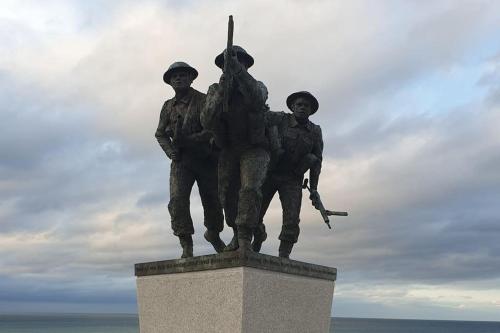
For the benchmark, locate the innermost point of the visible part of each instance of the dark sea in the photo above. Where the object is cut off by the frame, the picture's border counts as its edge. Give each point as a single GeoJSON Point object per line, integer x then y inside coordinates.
{"type": "Point", "coordinates": [82, 323]}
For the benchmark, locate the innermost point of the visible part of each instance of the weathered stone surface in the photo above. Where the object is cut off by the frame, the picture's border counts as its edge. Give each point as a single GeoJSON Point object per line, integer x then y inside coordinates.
{"type": "Point", "coordinates": [236, 259]}
{"type": "Point", "coordinates": [206, 301]}
{"type": "Point", "coordinates": [234, 300]}
{"type": "Point", "coordinates": [278, 302]}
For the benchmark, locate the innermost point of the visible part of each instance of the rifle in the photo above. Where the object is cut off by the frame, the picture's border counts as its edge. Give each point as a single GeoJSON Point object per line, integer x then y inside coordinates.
{"type": "Point", "coordinates": [324, 212]}
{"type": "Point", "coordinates": [227, 75]}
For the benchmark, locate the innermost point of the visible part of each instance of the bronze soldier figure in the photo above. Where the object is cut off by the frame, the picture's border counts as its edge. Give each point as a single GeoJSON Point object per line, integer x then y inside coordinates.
{"type": "Point", "coordinates": [239, 131]}
{"type": "Point", "coordinates": [301, 150]}
{"type": "Point", "coordinates": [183, 139]}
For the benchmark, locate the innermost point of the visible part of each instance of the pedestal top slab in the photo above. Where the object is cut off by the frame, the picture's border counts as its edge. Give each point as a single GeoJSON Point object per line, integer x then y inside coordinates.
{"type": "Point", "coordinates": [236, 259]}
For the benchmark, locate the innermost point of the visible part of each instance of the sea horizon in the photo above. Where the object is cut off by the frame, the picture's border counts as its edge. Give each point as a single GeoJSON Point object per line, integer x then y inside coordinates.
{"type": "Point", "coordinates": [51, 322]}
{"type": "Point", "coordinates": [136, 314]}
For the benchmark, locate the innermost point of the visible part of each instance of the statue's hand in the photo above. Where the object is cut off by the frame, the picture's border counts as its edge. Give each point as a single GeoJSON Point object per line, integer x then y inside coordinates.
{"type": "Point", "coordinates": [212, 144]}
{"type": "Point", "coordinates": [198, 138]}
{"type": "Point", "coordinates": [205, 136]}
{"type": "Point", "coordinates": [315, 199]}
{"type": "Point", "coordinates": [234, 64]}
{"type": "Point", "coordinates": [222, 79]}
{"type": "Point", "coordinates": [174, 155]}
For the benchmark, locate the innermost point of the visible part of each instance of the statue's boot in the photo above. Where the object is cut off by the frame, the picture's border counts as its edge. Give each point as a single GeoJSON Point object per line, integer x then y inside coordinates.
{"type": "Point", "coordinates": [213, 237]}
{"type": "Point", "coordinates": [285, 249]}
{"type": "Point", "coordinates": [245, 245]}
{"type": "Point", "coordinates": [233, 244]}
{"type": "Point", "coordinates": [245, 239]}
{"type": "Point", "coordinates": [257, 241]}
{"type": "Point", "coordinates": [187, 246]}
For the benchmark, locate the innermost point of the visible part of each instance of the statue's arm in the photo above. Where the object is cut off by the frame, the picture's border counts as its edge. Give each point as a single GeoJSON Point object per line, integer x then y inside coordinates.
{"type": "Point", "coordinates": [253, 91]}
{"type": "Point", "coordinates": [198, 138]}
{"type": "Point", "coordinates": [161, 135]}
{"type": "Point", "coordinates": [203, 136]}
{"type": "Point", "coordinates": [212, 108]}
{"type": "Point", "coordinates": [274, 118]}
{"type": "Point", "coordinates": [210, 116]}
{"type": "Point", "coordinates": [318, 152]}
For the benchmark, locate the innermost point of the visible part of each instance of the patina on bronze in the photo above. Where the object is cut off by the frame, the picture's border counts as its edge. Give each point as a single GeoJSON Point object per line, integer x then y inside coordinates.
{"type": "Point", "coordinates": [240, 153]}
{"type": "Point", "coordinates": [301, 145]}
{"type": "Point", "coordinates": [187, 144]}
{"type": "Point", "coordinates": [325, 213]}
{"type": "Point", "coordinates": [239, 131]}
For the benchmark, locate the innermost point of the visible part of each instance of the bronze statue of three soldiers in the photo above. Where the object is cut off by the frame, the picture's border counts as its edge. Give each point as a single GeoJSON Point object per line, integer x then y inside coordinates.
{"type": "Point", "coordinates": [239, 153]}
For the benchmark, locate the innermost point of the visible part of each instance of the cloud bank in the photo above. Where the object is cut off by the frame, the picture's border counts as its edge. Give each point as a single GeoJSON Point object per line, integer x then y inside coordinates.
{"type": "Point", "coordinates": [409, 102]}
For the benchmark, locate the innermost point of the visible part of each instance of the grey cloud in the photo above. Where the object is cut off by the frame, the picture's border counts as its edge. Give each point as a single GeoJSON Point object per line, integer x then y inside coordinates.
{"type": "Point", "coordinates": [428, 43]}
{"type": "Point", "coordinates": [153, 198]}
{"type": "Point", "coordinates": [84, 185]}
{"type": "Point", "coordinates": [32, 125]}
{"type": "Point", "coordinates": [430, 214]}
{"type": "Point", "coordinates": [25, 290]}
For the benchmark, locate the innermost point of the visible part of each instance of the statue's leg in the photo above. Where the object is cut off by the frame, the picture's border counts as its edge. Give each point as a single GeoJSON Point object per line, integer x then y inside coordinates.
{"type": "Point", "coordinates": [268, 190]}
{"type": "Point", "coordinates": [181, 183]}
{"type": "Point", "coordinates": [206, 177]}
{"type": "Point", "coordinates": [229, 184]}
{"type": "Point", "coordinates": [290, 192]}
{"type": "Point", "coordinates": [253, 169]}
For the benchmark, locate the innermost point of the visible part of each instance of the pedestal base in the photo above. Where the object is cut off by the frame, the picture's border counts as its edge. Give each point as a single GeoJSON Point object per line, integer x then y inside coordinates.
{"type": "Point", "coordinates": [234, 292]}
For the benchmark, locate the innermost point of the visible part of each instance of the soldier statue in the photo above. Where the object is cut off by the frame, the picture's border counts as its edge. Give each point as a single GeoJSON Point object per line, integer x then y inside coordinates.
{"type": "Point", "coordinates": [301, 149]}
{"type": "Point", "coordinates": [239, 131]}
{"type": "Point", "coordinates": [183, 139]}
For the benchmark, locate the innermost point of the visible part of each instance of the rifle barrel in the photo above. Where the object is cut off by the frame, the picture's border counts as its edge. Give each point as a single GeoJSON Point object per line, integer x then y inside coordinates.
{"type": "Point", "coordinates": [230, 29]}
{"type": "Point", "coordinates": [228, 53]}
{"type": "Point", "coordinates": [331, 212]}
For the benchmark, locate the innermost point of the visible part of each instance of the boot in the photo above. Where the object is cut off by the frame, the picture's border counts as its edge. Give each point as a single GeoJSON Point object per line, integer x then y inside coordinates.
{"type": "Point", "coordinates": [285, 249]}
{"type": "Point", "coordinates": [245, 239]}
{"type": "Point", "coordinates": [187, 246]}
{"type": "Point", "coordinates": [257, 241]}
{"type": "Point", "coordinates": [245, 245]}
{"type": "Point", "coordinates": [233, 244]}
{"type": "Point", "coordinates": [213, 237]}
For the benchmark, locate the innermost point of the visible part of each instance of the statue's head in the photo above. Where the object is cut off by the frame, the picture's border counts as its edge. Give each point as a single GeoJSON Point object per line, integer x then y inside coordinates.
{"type": "Point", "coordinates": [180, 75]}
{"type": "Point", "coordinates": [243, 57]}
{"type": "Point", "coordinates": [302, 104]}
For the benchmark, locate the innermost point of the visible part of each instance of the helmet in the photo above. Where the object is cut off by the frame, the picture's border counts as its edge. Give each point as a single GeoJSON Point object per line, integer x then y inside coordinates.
{"type": "Point", "coordinates": [240, 53]}
{"type": "Point", "coordinates": [290, 99]}
{"type": "Point", "coordinates": [176, 66]}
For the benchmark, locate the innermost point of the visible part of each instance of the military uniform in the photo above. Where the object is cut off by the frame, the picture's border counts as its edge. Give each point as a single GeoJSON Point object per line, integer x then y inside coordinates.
{"type": "Point", "coordinates": [244, 157]}
{"type": "Point", "coordinates": [302, 149]}
{"type": "Point", "coordinates": [179, 130]}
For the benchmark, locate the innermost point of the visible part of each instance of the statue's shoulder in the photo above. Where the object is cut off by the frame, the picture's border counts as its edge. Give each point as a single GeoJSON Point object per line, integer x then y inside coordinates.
{"type": "Point", "coordinates": [212, 89]}
{"type": "Point", "coordinates": [316, 129]}
{"type": "Point", "coordinates": [280, 114]}
{"type": "Point", "coordinates": [198, 94]}
{"type": "Point", "coordinates": [263, 90]}
{"type": "Point", "coordinates": [167, 105]}
{"type": "Point", "coordinates": [274, 118]}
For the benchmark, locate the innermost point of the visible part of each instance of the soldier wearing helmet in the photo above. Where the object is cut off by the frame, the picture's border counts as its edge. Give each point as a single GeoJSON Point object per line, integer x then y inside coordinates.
{"type": "Point", "coordinates": [301, 150]}
{"type": "Point", "coordinates": [240, 134]}
{"type": "Point", "coordinates": [184, 141]}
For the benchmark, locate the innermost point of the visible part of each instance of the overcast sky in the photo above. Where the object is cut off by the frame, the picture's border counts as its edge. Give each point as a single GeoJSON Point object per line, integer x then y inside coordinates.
{"type": "Point", "coordinates": [409, 95]}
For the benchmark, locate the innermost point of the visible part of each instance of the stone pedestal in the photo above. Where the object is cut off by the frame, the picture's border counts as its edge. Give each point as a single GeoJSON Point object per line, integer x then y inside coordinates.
{"type": "Point", "coordinates": [234, 292]}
